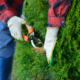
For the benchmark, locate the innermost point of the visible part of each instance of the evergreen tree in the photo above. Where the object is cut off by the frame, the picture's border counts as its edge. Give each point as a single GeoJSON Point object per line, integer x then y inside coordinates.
{"type": "Point", "coordinates": [66, 62]}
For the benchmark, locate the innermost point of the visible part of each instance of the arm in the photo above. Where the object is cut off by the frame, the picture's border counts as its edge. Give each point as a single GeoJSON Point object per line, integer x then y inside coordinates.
{"type": "Point", "coordinates": [7, 11]}
{"type": "Point", "coordinates": [56, 18]}
{"type": "Point", "coordinates": [57, 12]}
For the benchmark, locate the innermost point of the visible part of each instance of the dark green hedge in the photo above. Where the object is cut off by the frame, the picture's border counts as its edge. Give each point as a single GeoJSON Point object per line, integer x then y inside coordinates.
{"type": "Point", "coordinates": [66, 63]}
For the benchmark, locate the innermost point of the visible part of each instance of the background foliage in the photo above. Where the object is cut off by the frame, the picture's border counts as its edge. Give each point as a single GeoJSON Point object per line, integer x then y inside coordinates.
{"type": "Point", "coordinates": [66, 63]}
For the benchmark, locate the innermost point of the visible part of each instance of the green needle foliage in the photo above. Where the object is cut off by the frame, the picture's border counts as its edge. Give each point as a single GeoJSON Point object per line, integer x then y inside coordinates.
{"type": "Point", "coordinates": [66, 62]}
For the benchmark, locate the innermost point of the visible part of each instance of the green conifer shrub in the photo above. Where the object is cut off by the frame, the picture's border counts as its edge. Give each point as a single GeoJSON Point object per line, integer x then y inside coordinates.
{"type": "Point", "coordinates": [66, 63]}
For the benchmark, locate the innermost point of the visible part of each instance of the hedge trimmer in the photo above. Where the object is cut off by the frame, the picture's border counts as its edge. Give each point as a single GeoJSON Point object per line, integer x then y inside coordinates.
{"type": "Point", "coordinates": [30, 37]}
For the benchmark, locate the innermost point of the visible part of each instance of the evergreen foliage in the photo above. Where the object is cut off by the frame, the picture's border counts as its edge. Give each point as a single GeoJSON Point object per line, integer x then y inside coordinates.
{"type": "Point", "coordinates": [66, 63]}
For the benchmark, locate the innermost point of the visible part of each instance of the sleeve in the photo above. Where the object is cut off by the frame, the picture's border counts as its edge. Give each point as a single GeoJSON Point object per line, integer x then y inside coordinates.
{"type": "Point", "coordinates": [5, 12]}
{"type": "Point", "coordinates": [57, 12]}
{"type": "Point", "coordinates": [8, 11]}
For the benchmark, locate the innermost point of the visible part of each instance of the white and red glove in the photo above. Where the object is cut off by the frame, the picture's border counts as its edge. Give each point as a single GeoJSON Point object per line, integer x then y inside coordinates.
{"type": "Point", "coordinates": [50, 41]}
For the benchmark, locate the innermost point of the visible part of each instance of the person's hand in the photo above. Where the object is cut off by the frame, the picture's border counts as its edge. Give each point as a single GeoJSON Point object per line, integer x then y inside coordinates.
{"type": "Point", "coordinates": [50, 41]}
{"type": "Point", "coordinates": [14, 25]}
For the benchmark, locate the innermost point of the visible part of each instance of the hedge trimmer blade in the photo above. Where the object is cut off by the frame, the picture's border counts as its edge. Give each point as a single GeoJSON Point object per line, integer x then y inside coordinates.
{"type": "Point", "coordinates": [39, 48]}
{"type": "Point", "coordinates": [33, 39]}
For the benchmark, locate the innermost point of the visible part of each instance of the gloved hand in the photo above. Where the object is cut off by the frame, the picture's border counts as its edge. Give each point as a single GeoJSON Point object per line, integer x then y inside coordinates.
{"type": "Point", "coordinates": [50, 41]}
{"type": "Point", "coordinates": [14, 25]}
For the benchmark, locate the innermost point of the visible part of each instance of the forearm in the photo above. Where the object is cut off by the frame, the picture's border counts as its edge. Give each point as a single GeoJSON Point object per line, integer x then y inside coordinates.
{"type": "Point", "coordinates": [57, 12]}
{"type": "Point", "coordinates": [5, 13]}
{"type": "Point", "coordinates": [9, 9]}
